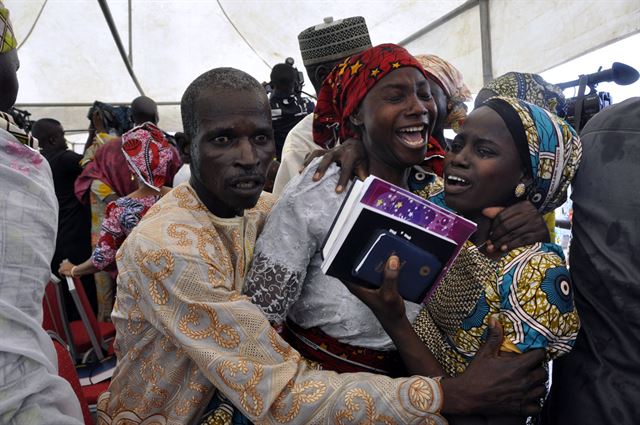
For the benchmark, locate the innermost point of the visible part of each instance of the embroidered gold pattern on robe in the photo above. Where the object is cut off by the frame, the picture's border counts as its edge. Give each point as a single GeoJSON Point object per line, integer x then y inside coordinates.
{"type": "Point", "coordinates": [184, 330]}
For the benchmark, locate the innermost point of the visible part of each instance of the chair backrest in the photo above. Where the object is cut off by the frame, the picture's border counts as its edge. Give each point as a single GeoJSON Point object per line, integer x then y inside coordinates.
{"type": "Point", "coordinates": [51, 319]}
{"type": "Point", "coordinates": [67, 370]}
{"type": "Point", "coordinates": [55, 317]}
{"type": "Point", "coordinates": [86, 314]}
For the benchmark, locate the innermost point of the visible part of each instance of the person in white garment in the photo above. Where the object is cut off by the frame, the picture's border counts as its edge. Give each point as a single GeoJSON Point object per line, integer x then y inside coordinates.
{"type": "Point", "coordinates": [31, 392]}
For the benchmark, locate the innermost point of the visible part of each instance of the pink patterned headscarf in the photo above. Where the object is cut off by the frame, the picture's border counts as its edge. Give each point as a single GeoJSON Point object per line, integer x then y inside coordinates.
{"type": "Point", "coordinates": [148, 154]}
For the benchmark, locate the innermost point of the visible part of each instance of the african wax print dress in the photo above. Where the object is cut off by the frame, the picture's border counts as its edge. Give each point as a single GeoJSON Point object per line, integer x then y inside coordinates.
{"type": "Point", "coordinates": [121, 216]}
{"type": "Point", "coordinates": [529, 288]}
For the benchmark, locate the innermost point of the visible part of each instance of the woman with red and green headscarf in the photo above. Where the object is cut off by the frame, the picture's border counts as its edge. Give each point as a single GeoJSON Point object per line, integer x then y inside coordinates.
{"type": "Point", "coordinates": [382, 97]}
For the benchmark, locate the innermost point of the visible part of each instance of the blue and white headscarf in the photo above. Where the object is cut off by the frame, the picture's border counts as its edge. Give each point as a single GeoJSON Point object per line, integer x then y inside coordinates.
{"type": "Point", "coordinates": [554, 149]}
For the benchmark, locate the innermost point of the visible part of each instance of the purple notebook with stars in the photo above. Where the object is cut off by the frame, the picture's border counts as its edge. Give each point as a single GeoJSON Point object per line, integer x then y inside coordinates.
{"type": "Point", "coordinates": [426, 237]}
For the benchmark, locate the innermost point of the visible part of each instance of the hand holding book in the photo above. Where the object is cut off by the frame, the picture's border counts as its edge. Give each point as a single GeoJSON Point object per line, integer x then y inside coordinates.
{"type": "Point", "coordinates": [385, 302]}
{"type": "Point", "coordinates": [377, 220]}
{"type": "Point", "coordinates": [389, 308]}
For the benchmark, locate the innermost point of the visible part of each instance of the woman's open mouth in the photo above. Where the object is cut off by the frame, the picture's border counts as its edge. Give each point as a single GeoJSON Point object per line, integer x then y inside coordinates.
{"type": "Point", "coordinates": [455, 184]}
{"type": "Point", "coordinates": [414, 137]}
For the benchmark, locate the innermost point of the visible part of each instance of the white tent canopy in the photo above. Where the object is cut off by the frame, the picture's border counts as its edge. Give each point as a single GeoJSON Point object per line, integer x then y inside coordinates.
{"type": "Point", "coordinates": [69, 57]}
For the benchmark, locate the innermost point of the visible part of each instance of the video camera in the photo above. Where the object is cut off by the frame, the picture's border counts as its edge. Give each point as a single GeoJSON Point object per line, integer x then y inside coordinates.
{"type": "Point", "coordinates": [21, 118]}
{"type": "Point", "coordinates": [582, 107]}
{"type": "Point", "coordinates": [299, 81]}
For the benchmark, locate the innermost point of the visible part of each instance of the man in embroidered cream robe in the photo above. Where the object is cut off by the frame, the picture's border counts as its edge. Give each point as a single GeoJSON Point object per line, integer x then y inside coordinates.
{"type": "Point", "coordinates": [185, 332]}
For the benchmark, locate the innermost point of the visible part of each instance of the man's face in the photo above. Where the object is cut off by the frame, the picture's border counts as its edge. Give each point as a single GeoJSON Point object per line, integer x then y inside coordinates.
{"type": "Point", "coordinates": [317, 73]}
{"type": "Point", "coordinates": [232, 149]}
{"type": "Point", "coordinates": [55, 138]}
{"type": "Point", "coordinates": [50, 135]}
{"type": "Point", "coordinates": [58, 139]}
{"type": "Point", "coordinates": [9, 65]}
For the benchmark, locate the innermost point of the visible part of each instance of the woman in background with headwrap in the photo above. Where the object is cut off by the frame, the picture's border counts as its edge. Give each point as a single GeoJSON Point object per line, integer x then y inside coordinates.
{"type": "Point", "coordinates": [105, 178]}
{"type": "Point", "coordinates": [531, 88]}
{"type": "Point", "coordinates": [148, 156]}
{"type": "Point", "coordinates": [450, 94]}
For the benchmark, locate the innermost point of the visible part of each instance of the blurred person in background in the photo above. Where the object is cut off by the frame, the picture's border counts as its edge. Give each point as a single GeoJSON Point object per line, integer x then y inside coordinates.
{"type": "Point", "coordinates": [288, 107]}
{"type": "Point", "coordinates": [149, 157]}
{"type": "Point", "coordinates": [450, 93]}
{"type": "Point", "coordinates": [322, 46]}
{"type": "Point", "coordinates": [74, 219]}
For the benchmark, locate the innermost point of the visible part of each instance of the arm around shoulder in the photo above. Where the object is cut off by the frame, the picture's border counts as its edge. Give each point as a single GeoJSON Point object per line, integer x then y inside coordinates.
{"type": "Point", "coordinates": [234, 345]}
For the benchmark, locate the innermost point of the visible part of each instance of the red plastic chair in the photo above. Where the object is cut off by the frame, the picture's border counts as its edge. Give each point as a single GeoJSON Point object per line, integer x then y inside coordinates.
{"type": "Point", "coordinates": [51, 320]}
{"type": "Point", "coordinates": [54, 316]}
{"type": "Point", "coordinates": [67, 370]}
{"type": "Point", "coordinates": [88, 334]}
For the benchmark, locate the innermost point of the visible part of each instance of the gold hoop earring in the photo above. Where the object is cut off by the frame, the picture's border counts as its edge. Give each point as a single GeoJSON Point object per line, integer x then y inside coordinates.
{"type": "Point", "coordinates": [520, 190]}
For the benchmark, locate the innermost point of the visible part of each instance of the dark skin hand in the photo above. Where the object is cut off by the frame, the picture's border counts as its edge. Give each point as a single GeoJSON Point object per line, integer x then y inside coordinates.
{"type": "Point", "coordinates": [349, 155]}
{"type": "Point", "coordinates": [512, 227]}
{"type": "Point", "coordinates": [493, 383]}
{"type": "Point", "coordinates": [98, 123]}
{"type": "Point", "coordinates": [388, 307]}
{"type": "Point", "coordinates": [519, 225]}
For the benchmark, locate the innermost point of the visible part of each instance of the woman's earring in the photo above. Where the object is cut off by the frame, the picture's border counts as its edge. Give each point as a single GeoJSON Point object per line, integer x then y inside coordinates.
{"type": "Point", "coordinates": [520, 190]}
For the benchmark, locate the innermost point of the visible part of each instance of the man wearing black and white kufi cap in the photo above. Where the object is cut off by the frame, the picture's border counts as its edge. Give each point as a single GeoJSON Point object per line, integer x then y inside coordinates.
{"type": "Point", "coordinates": [322, 47]}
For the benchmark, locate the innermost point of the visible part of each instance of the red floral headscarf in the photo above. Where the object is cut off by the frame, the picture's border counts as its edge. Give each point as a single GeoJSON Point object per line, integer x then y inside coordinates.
{"type": "Point", "coordinates": [148, 154]}
{"type": "Point", "coordinates": [348, 84]}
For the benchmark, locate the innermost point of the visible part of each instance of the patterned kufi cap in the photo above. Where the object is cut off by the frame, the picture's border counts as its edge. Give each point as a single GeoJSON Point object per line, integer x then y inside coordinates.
{"type": "Point", "coordinates": [333, 40]}
{"type": "Point", "coordinates": [6, 31]}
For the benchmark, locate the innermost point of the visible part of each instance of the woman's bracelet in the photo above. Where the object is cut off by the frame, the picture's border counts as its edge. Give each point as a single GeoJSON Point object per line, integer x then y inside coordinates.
{"type": "Point", "coordinates": [72, 271]}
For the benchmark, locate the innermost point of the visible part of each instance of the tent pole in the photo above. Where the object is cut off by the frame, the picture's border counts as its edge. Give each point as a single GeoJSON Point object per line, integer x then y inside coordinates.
{"type": "Point", "coordinates": [485, 40]}
{"type": "Point", "coordinates": [130, 34]}
{"type": "Point", "coordinates": [439, 22]}
{"type": "Point", "coordinates": [116, 37]}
